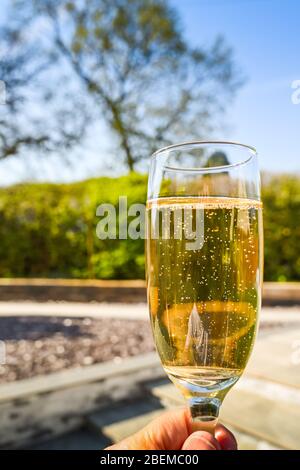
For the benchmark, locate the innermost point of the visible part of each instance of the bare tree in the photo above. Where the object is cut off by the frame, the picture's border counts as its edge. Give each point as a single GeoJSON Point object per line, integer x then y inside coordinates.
{"type": "Point", "coordinates": [131, 63]}
{"type": "Point", "coordinates": [38, 114]}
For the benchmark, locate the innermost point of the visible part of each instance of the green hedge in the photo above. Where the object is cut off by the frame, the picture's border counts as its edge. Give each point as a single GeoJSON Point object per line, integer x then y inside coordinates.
{"type": "Point", "coordinates": [281, 197]}
{"type": "Point", "coordinates": [49, 230]}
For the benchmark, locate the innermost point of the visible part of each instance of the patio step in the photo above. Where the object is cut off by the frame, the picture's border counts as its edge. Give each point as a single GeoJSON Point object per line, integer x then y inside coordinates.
{"type": "Point", "coordinates": [79, 439]}
{"type": "Point", "coordinates": [263, 412]}
{"type": "Point", "coordinates": [258, 422]}
{"type": "Point", "coordinates": [263, 408]}
{"type": "Point", "coordinates": [276, 355]}
{"type": "Point", "coordinates": [123, 420]}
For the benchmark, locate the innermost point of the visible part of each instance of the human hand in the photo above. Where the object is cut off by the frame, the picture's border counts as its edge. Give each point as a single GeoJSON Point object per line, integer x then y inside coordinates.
{"type": "Point", "coordinates": [173, 431]}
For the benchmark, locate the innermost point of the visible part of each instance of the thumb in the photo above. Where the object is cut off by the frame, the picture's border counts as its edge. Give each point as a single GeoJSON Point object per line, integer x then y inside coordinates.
{"type": "Point", "coordinates": [201, 440]}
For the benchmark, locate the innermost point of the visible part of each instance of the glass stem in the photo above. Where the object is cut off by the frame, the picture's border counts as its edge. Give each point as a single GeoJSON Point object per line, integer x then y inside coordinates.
{"type": "Point", "coordinates": [204, 413]}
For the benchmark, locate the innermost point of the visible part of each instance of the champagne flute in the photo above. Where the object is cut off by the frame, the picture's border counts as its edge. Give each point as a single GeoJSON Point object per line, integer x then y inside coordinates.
{"type": "Point", "coordinates": [204, 267]}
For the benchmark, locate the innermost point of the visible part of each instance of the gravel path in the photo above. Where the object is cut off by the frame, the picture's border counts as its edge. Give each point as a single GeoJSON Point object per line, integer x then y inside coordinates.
{"type": "Point", "coordinates": [40, 345]}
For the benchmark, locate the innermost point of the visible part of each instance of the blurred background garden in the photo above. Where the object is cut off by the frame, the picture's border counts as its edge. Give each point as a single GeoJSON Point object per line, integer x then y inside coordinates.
{"type": "Point", "coordinates": [89, 89]}
{"type": "Point", "coordinates": [49, 230]}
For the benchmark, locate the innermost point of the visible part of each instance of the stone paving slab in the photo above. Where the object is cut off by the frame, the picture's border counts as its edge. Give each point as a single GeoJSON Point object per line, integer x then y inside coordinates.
{"type": "Point", "coordinates": [248, 442]}
{"type": "Point", "coordinates": [75, 309]}
{"type": "Point", "coordinates": [286, 314]}
{"type": "Point", "coordinates": [135, 311]}
{"type": "Point", "coordinates": [263, 407]}
{"type": "Point", "coordinates": [263, 410]}
{"type": "Point", "coordinates": [261, 422]}
{"type": "Point", "coordinates": [81, 439]}
{"type": "Point", "coordinates": [276, 357]}
{"type": "Point", "coordinates": [258, 422]}
{"type": "Point", "coordinates": [124, 420]}
{"type": "Point", "coordinates": [270, 419]}
{"type": "Point", "coordinates": [265, 403]}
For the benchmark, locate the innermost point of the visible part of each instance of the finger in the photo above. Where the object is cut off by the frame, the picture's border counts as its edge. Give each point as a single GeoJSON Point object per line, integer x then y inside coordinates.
{"type": "Point", "coordinates": [167, 432]}
{"type": "Point", "coordinates": [170, 432]}
{"type": "Point", "coordinates": [201, 440]}
{"type": "Point", "coordinates": [225, 438]}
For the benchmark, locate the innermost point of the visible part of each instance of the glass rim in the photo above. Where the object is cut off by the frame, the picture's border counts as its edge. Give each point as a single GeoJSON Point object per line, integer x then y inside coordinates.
{"type": "Point", "coordinates": [181, 145]}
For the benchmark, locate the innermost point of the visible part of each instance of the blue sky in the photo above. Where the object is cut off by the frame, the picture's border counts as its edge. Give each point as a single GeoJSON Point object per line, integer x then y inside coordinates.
{"type": "Point", "coordinates": [264, 35]}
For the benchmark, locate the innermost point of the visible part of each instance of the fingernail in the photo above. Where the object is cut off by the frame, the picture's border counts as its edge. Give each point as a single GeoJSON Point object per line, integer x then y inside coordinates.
{"type": "Point", "coordinates": [200, 440]}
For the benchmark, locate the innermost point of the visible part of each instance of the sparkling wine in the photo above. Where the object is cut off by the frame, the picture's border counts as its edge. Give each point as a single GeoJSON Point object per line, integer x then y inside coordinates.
{"type": "Point", "coordinates": [204, 281]}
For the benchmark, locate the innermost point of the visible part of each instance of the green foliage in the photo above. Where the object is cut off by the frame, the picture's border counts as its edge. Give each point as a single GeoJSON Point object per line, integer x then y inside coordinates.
{"type": "Point", "coordinates": [281, 196]}
{"type": "Point", "coordinates": [49, 230]}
